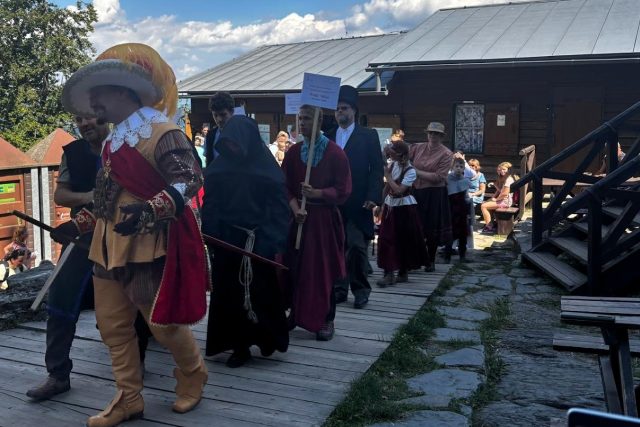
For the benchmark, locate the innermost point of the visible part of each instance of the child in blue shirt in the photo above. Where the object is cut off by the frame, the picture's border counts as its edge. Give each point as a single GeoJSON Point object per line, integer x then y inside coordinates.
{"type": "Point", "coordinates": [458, 189]}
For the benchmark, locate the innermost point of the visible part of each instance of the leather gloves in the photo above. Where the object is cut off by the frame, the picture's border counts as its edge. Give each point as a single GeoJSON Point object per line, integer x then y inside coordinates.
{"type": "Point", "coordinates": [84, 222]}
{"type": "Point", "coordinates": [140, 218]}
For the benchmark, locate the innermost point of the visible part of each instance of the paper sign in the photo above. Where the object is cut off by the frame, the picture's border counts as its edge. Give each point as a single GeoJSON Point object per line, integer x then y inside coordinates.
{"type": "Point", "coordinates": [292, 103]}
{"type": "Point", "coordinates": [239, 111]}
{"type": "Point", "coordinates": [501, 120]}
{"type": "Point", "coordinates": [320, 91]}
{"type": "Point", "coordinates": [265, 133]}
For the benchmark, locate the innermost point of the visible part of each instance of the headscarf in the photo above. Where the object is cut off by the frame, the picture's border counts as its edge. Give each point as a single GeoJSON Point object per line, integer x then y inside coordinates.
{"type": "Point", "coordinates": [318, 150]}
{"type": "Point", "coordinates": [244, 186]}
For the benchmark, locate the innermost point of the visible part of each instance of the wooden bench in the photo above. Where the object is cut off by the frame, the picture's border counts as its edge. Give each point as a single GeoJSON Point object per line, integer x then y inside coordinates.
{"type": "Point", "coordinates": [506, 217]}
{"type": "Point", "coordinates": [615, 317]}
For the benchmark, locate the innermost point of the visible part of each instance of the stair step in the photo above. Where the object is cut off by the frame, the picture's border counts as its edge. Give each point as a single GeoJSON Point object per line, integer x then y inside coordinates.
{"type": "Point", "coordinates": [616, 211]}
{"type": "Point", "coordinates": [560, 271]}
{"type": "Point", "coordinates": [584, 227]}
{"type": "Point", "coordinates": [578, 249]}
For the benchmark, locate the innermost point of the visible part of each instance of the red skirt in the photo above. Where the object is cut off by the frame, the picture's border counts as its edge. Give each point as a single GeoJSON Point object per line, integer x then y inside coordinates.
{"type": "Point", "coordinates": [401, 243]}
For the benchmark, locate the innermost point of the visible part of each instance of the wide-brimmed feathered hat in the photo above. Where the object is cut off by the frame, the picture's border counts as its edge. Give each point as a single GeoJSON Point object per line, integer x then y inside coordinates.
{"type": "Point", "coordinates": [135, 66]}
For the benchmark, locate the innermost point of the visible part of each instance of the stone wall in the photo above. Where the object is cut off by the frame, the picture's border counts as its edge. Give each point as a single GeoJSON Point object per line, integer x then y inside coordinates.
{"type": "Point", "coordinates": [23, 289]}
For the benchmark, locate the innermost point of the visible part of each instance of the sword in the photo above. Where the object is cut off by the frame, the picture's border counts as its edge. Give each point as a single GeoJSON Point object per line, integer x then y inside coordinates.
{"type": "Point", "coordinates": [50, 229]}
{"type": "Point", "coordinates": [45, 288]}
{"type": "Point", "coordinates": [208, 239]}
{"type": "Point", "coordinates": [228, 246]}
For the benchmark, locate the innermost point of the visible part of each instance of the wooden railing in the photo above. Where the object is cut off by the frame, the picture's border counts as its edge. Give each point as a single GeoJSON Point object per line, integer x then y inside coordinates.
{"type": "Point", "coordinates": [544, 219]}
{"type": "Point", "coordinates": [605, 244]}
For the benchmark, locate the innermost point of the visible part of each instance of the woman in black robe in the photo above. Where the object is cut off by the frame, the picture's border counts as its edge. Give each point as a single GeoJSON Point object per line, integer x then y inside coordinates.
{"type": "Point", "coordinates": [245, 205]}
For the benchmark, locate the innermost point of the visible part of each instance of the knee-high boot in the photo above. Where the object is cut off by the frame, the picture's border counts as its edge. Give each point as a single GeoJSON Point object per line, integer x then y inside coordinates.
{"type": "Point", "coordinates": [191, 373]}
{"type": "Point", "coordinates": [116, 315]}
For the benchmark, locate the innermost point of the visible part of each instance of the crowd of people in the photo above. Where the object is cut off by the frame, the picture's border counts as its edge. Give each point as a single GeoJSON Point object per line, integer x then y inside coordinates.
{"type": "Point", "coordinates": [288, 226]}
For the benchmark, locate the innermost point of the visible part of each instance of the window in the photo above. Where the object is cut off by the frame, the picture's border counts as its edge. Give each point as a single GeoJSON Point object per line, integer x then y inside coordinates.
{"type": "Point", "coordinates": [469, 129]}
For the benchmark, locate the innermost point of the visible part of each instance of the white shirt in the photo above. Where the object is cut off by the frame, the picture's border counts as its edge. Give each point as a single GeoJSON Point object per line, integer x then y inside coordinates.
{"type": "Point", "coordinates": [12, 271]}
{"type": "Point", "coordinates": [343, 135]}
{"type": "Point", "coordinates": [408, 179]}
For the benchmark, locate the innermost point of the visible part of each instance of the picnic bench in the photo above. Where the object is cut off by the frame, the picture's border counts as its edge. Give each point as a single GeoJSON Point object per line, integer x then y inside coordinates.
{"type": "Point", "coordinates": [506, 217]}
{"type": "Point", "coordinates": [615, 317]}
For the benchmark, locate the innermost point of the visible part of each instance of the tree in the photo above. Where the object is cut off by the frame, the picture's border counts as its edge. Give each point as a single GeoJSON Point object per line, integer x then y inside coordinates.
{"type": "Point", "coordinates": [41, 45]}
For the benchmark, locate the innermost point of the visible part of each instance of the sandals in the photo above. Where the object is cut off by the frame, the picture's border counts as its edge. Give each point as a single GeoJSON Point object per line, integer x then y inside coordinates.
{"type": "Point", "coordinates": [488, 229]}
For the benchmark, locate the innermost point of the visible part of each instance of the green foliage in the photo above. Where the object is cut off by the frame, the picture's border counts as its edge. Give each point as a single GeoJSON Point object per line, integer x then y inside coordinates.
{"type": "Point", "coordinates": [40, 45]}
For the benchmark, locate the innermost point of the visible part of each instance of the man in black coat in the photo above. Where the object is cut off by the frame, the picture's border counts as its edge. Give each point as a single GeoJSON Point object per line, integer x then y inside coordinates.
{"type": "Point", "coordinates": [221, 105]}
{"type": "Point", "coordinates": [362, 147]}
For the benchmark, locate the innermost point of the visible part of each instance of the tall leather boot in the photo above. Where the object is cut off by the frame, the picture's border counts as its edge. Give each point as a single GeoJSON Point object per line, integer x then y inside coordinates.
{"type": "Point", "coordinates": [116, 315]}
{"type": "Point", "coordinates": [191, 373]}
{"type": "Point", "coordinates": [189, 388]}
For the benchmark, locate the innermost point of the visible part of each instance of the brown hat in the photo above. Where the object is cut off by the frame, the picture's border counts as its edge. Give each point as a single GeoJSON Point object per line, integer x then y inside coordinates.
{"type": "Point", "coordinates": [349, 95]}
{"type": "Point", "coordinates": [435, 127]}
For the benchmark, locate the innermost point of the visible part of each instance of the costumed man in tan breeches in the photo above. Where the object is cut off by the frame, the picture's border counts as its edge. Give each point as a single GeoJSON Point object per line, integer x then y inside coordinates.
{"type": "Point", "coordinates": [147, 247]}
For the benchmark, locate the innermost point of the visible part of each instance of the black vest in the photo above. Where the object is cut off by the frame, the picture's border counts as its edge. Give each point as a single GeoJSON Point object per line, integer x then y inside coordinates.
{"type": "Point", "coordinates": [82, 164]}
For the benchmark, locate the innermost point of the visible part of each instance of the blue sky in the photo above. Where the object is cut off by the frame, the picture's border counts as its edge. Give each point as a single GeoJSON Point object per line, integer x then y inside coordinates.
{"type": "Point", "coordinates": [195, 35]}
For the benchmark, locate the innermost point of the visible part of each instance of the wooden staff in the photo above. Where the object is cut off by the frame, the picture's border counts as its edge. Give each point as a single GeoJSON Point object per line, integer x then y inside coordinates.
{"type": "Point", "coordinates": [312, 144]}
{"type": "Point", "coordinates": [228, 246]}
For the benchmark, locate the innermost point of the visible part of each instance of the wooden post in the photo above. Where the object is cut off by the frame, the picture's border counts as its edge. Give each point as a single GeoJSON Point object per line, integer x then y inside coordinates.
{"type": "Point", "coordinates": [298, 139]}
{"type": "Point", "coordinates": [312, 143]}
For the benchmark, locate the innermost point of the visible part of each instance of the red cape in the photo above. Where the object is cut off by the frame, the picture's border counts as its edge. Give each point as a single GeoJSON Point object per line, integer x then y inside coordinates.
{"type": "Point", "coordinates": [181, 298]}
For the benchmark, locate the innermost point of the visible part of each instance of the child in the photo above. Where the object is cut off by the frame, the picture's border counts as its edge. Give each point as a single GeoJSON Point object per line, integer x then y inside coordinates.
{"type": "Point", "coordinates": [400, 240]}
{"type": "Point", "coordinates": [458, 190]}
{"type": "Point", "coordinates": [502, 197]}
{"type": "Point", "coordinates": [12, 264]}
{"type": "Point", "coordinates": [19, 241]}
{"type": "Point", "coordinates": [478, 183]}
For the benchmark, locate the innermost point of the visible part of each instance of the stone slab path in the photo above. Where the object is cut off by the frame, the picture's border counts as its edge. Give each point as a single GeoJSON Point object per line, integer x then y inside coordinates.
{"type": "Point", "coordinates": [537, 385]}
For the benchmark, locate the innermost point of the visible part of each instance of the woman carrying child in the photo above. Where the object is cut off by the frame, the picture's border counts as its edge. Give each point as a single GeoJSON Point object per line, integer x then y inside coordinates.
{"type": "Point", "coordinates": [400, 241]}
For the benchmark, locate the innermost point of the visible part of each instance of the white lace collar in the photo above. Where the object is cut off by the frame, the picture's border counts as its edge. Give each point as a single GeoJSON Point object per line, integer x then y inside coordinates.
{"type": "Point", "coordinates": [134, 127]}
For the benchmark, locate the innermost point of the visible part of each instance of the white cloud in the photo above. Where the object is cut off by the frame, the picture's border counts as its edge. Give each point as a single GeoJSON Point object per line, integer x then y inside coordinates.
{"type": "Point", "coordinates": [109, 11]}
{"type": "Point", "coordinates": [192, 46]}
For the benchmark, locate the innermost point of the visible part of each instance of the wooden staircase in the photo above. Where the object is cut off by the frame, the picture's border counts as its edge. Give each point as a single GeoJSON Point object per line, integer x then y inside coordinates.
{"type": "Point", "coordinates": [589, 243]}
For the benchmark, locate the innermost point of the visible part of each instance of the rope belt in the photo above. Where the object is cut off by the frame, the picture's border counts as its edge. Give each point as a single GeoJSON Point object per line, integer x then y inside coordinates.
{"type": "Point", "coordinates": [245, 276]}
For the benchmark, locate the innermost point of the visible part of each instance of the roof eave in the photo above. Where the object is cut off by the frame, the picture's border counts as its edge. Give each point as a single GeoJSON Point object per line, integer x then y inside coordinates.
{"type": "Point", "coordinates": [504, 62]}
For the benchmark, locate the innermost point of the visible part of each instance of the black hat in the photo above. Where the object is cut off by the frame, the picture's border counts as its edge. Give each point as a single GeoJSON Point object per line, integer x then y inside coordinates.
{"type": "Point", "coordinates": [349, 94]}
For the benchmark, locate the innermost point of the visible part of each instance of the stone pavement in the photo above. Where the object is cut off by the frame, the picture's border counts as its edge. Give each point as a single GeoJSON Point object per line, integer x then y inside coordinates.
{"type": "Point", "coordinates": [537, 384]}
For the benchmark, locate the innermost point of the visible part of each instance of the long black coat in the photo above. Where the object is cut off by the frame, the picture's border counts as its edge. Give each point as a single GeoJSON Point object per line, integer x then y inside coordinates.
{"type": "Point", "coordinates": [365, 160]}
{"type": "Point", "coordinates": [208, 146]}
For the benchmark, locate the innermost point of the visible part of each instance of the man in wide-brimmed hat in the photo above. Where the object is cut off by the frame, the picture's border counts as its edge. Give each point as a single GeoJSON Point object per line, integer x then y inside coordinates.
{"type": "Point", "coordinates": [72, 289]}
{"type": "Point", "coordinates": [147, 247]}
{"type": "Point", "coordinates": [362, 147]}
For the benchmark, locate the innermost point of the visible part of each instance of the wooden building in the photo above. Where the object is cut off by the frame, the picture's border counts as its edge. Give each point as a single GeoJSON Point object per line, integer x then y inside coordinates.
{"type": "Point", "coordinates": [47, 153]}
{"type": "Point", "coordinates": [500, 77]}
{"type": "Point", "coordinates": [18, 191]}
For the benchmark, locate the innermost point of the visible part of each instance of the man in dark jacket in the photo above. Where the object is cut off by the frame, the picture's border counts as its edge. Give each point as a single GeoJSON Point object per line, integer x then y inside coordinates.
{"type": "Point", "coordinates": [221, 105]}
{"type": "Point", "coordinates": [362, 147]}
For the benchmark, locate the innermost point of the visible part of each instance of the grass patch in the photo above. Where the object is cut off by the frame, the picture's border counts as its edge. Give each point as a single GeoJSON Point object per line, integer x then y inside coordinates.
{"type": "Point", "coordinates": [374, 396]}
{"type": "Point", "coordinates": [493, 365]}
{"type": "Point", "coordinates": [457, 344]}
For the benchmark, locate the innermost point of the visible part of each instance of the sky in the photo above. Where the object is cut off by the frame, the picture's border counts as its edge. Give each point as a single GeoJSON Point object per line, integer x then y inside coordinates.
{"type": "Point", "coordinates": [195, 35]}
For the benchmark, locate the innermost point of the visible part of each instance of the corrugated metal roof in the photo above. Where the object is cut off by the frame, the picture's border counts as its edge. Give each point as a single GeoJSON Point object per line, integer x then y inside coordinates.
{"type": "Point", "coordinates": [12, 158]}
{"type": "Point", "coordinates": [48, 151]}
{"type": "Point", "coordinates": [553, 29]}
{"type": "Point", "coordinates": [279, 68]}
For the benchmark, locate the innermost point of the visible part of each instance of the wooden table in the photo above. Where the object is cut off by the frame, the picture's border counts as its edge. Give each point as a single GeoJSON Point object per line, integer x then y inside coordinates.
{"type": "Point", "coordinates": [615, 317]}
